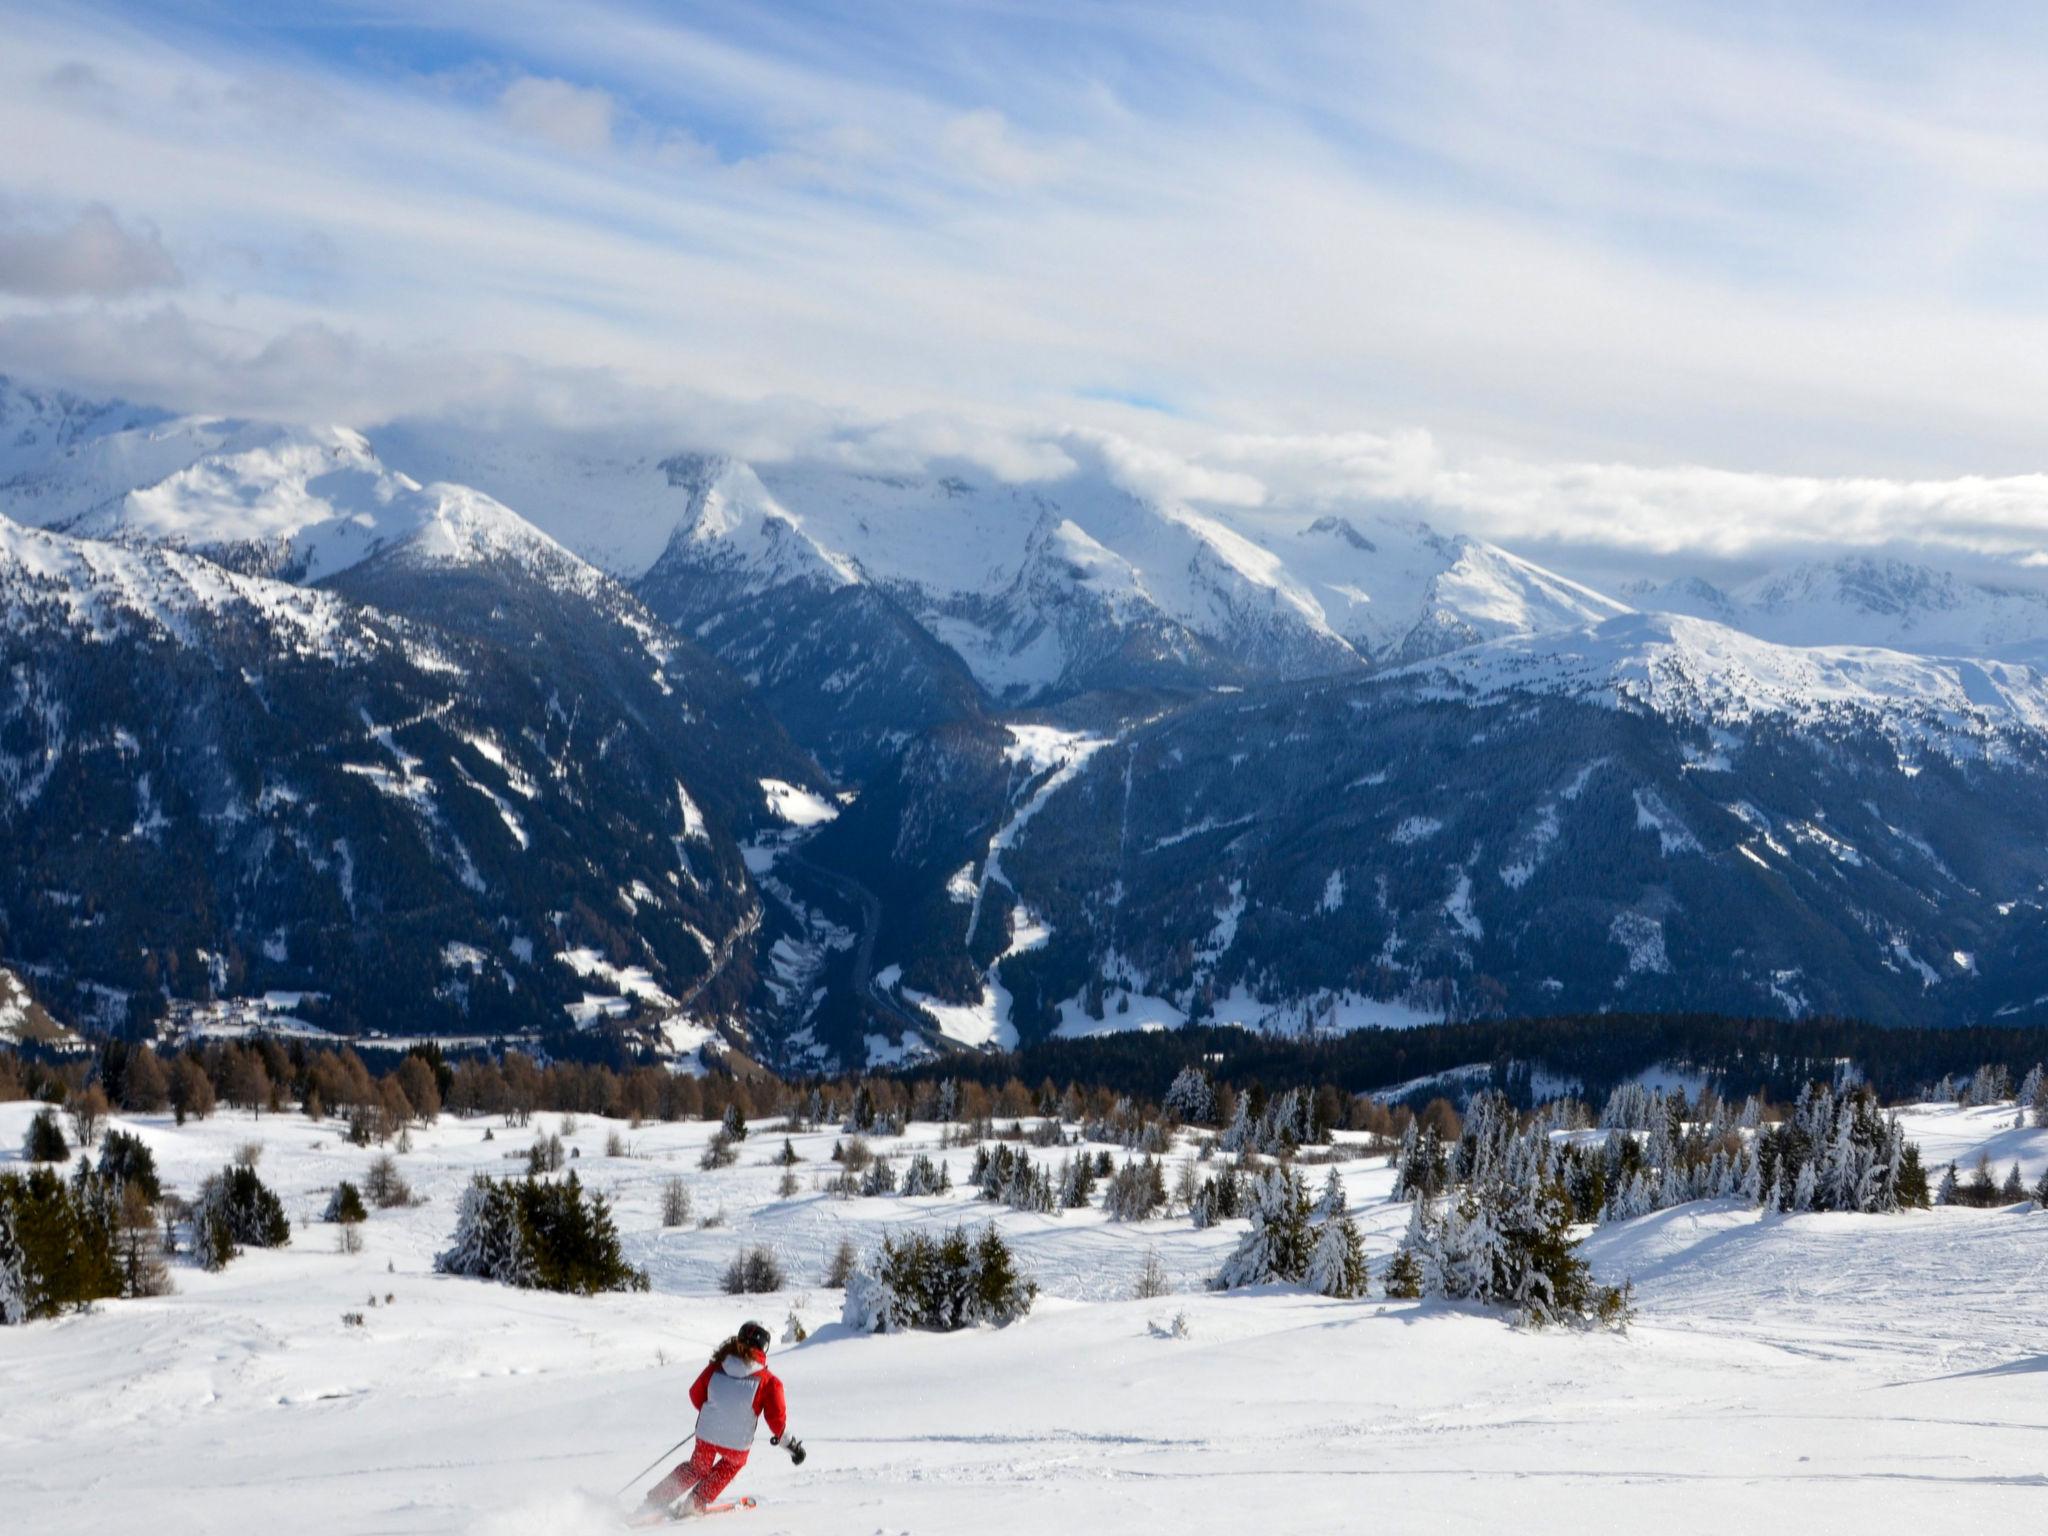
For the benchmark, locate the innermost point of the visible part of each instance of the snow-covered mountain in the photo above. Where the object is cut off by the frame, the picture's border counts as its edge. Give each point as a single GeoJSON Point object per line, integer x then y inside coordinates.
{"type": "Point", "coordinates": [1695, 671]}
{"type": "Point", "coordinates": [1123, 758]}
{"type": "Point", "coordinates": [1871, 601]}
{"type": "Point", "coordinates": [295, 502]}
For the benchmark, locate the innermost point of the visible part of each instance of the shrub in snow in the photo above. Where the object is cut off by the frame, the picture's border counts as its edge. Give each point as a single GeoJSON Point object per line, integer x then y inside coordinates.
{"type": "Point", "coordinates": [937, 1283]}
{"type": "Point", "coordinates": [540, 1234]}
{"type": "Point", "coordinates": [1136, 1191]}
{"type": "Point", "coordinates": [840, 1267]}
{"type": "Point", "coordinates": [1220, 1198]}
{"type": "Point", "coordinates": [236, 1210]}
{"type": "Point", "coordinates": [926, 1177]}
{"type": "Point", "coordinates": [1011, 1178]}
{"type": "Point", "coordinates": [675, 1203]}
{"type": "Point", "coordinates": [126, 1161]}
{"type": "Point", "coordinates": [44, 1141]}
{"type": "Point", "coordinates": [345, 1205]}
{"type": "Point", "coordinates": [385, 1185]}
{"type": "Point", "coordinates": [722, 1151]}
{"type": "Point", "coordinates": [756, 1271]}
{"type": "Point", "coordinates": [1074, 1186]}
{"type": "Point", "coordinates": [880, 1180]}
{"type": "Point", "coordinates": [139, 1248]}
{"type": "Point", "coordinates": [733, 1123]}
{"type": "Point", "coordinates": [1152, 1281]}
{"type": "Point", "coordinates": [545, 1156]}
{"type": "Point", "coordinates": [88, 1110]}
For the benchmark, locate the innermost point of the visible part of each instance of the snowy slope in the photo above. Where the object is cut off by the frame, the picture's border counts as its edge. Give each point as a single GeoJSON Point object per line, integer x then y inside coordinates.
{"type": "Point", "coordinates": [40, 428]}
{"type": "Point", "coordinates": [1833, 1373]}
{"type": "Point", "coordinates": [95, 589]}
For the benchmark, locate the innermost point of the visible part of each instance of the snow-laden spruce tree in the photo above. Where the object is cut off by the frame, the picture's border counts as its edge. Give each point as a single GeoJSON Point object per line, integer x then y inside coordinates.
{"type": "Point", "coordinates": [1190, 1096]}
{"type": "Point", "coordinates": [1238, 1134]}
{"type": "Point", "coordinates": [1803, 1189]}
{"type": "Point", "coordinates": [1473, 1247]}
{"type": "Point", "coordinates": [1276, 1248]}
{"type": "Point", "coordinates": [490, 1237]}
{"type": "Point", "coordinates": [1336, 1260]}
{"type": "Point", "coordinates": [871, 1306]}
{"type": "Point", "coordinates": [1417, 1270]}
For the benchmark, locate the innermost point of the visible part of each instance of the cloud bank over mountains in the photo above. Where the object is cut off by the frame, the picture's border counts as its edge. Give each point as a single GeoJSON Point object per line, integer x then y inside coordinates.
{"type": "Point", "coordinates": [1618, 286]}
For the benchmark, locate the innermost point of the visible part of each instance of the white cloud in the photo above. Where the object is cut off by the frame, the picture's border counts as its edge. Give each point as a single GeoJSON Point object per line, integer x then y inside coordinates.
{"type": "Point", "coordinates": [1573, 247]}
{"type": "Point", "coordinates": [89, 254]}
{"type": "Point", "coordinates": [576, 118]}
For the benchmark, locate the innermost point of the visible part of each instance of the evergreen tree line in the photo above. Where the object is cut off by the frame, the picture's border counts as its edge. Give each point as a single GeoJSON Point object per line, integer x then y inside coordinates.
{"type": "Point", "coordinates": [1775, 1058]}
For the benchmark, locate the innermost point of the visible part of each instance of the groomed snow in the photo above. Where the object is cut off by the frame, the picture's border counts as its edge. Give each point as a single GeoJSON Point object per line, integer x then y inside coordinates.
{"type": "Point", "coordinates": [1829, 1373]}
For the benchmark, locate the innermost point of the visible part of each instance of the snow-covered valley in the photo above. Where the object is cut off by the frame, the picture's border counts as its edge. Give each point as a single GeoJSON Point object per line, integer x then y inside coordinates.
{"type": "Point", "coordinates": [1835, 1371]}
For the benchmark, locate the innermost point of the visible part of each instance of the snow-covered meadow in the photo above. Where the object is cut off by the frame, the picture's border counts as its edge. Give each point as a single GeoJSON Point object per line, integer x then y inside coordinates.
{"type": "Point", "coordinates": [1832, 1372]}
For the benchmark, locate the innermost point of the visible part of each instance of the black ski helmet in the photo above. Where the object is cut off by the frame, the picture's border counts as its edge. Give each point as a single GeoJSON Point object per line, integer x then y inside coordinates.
{"type": "Point", "coordinates": [754, 1337]}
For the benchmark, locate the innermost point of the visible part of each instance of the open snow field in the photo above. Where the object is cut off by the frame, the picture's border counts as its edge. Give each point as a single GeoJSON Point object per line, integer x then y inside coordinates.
{"type": "Point", "coordinates": [1830, 1373]}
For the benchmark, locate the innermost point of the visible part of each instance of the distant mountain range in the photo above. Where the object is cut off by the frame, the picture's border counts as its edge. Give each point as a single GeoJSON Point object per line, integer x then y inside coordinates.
{"type": "Point", "coordinates": [433, 732]}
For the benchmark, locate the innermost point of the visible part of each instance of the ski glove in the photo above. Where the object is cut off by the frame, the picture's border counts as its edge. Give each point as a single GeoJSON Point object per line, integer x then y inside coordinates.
{"type": "Point", "coordinates": [794, 1446]}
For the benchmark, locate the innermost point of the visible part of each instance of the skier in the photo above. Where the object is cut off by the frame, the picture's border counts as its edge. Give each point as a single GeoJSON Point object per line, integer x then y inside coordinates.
{"type": "Point", "coordinates": [732, 1395]}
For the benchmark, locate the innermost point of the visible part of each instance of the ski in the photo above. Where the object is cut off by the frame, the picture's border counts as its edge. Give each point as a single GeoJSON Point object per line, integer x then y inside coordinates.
{"type": "Point", "coordinates": [726, 1507]}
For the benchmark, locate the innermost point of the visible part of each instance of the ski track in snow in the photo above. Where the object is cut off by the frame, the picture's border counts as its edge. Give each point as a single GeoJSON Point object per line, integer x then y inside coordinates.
{"type": "Point", "coordinates": [1833, 1372]}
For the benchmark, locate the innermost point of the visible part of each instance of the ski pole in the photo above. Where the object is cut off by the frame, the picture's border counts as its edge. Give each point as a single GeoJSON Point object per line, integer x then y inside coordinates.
{"type": "Point", "coordinates": [664, 1456]}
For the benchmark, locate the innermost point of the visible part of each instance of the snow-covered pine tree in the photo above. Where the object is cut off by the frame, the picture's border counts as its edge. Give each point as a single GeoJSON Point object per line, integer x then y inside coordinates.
{"type": "Point", "coordinates": [1416, 1270]}
{"type": "Point", "coordinates": [1402, 1160]}
{"type": "Point", "coordinates": [1949, 1188]}
{"type": "Point", "coordinates": [1333, 1201]}
{"type": "Point", "coordinates": [1190, 1096]}
{"type": "Point", "coordinates": [871, 1305]}
{"type": "Point", "coordinates": [1803, 1189]}
{"type": "Point", "coordinates": [1276, 1247]}
{"type": "Point", "coordinates": [1238, 1134]}
{"type": "Point", "coordinates": [2012, 1191]}
{"type": "Point", "coordinates": [1336, 1264]}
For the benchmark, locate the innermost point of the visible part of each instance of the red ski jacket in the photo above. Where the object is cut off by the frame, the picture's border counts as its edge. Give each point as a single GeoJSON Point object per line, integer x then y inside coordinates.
{"type": "Point", "coordinates": [730, 1403]}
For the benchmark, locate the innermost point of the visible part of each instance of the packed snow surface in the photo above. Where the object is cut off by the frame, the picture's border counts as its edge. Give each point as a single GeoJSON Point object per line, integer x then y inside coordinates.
{"type": "Point", "coordinates": [1826, 1373]}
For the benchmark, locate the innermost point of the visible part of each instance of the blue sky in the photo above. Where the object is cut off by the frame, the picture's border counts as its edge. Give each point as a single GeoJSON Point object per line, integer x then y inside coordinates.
{"type": "Point", "coordinates": [1654, 249]}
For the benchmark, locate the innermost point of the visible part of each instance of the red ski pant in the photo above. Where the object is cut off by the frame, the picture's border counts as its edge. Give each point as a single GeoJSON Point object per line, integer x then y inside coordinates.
{"type": "Point", "coordinates": [707, 1472]}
